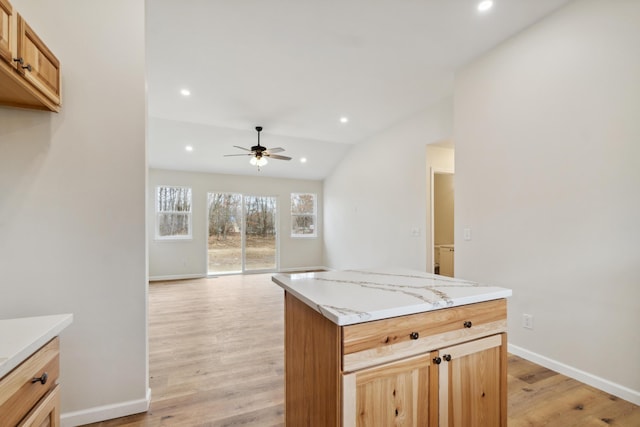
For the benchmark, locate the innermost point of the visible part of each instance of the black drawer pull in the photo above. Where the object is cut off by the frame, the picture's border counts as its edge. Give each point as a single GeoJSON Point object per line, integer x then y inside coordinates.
{"type": "Point", "coordinates": [437, 360]}
{"type": "Point", "coordinates": [468, 324]}
{"type": "Point", "coordinates": [414, 335]}
{"type": "Point", "coordinates": [43, 379]}
{"type": "Point", "coordinates": [447, 357]}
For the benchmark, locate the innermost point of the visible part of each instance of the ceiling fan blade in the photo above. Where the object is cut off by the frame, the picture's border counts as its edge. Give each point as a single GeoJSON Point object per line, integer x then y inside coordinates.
{"type": "Point", "coordinates": [242, 148]}
{"type": "Point", "coordinates": [276, 156]}
{"type": "Point", "coordinates": [232, 155]}
{"type": "Point", "coordinates": [275, 150]}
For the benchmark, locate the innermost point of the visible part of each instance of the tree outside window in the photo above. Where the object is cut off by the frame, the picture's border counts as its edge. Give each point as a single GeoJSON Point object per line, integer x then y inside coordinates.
{"type": "Point", "coordinates": [173, 212]}
{"type": "Point", "coordinates": [303, 215]}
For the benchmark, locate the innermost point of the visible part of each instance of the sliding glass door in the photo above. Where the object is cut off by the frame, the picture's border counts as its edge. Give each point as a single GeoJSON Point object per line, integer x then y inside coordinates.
{"type": "Point", "coordinates": [260, 235]}
{"type": "Point", "coordinates": [242, 233]}
{"type": "Point", "coordinates": [225, 233]}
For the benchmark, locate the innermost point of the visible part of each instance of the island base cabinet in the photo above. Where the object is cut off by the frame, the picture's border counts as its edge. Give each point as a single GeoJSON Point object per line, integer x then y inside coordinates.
{"type": "Point", "coordinates": [395, 394]}
{"type": "Point", "coordinates": [473, 384]}
{"type": "Point", "coordinates": [443, 369]}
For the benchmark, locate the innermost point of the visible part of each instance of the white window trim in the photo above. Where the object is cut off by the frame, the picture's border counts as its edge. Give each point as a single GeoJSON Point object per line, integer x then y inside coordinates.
{"type": "Point", "coordinates": [158, 213]}
{"type": "Point", "coordinates": [314, 215]}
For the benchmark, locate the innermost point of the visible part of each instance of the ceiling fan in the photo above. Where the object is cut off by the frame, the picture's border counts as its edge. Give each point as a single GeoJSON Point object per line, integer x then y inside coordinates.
{"type": "Point", "coordinates": [259, 153]}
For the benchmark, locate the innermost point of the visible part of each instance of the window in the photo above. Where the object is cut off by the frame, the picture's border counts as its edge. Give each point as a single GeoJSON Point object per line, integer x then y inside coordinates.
{"type": "Point", "coordinates": [303, 215]}
{"type": "Point", "coordinates": [173, 213]}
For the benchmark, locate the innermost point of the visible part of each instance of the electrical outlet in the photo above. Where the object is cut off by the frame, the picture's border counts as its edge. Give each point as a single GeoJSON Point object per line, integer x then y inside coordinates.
{"type": "Point", "coordinates": [527, 321]}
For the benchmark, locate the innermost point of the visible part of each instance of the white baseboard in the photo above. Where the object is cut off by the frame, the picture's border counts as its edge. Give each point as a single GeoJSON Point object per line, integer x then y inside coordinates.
{"type": "Point", "coordinates": [106, 412]}
{"type": "Point", "coordinates": [303, 269]}
{"type": "Point", "coordinates": [176, 277]}
{"type": "Point", "coordinates": [607, 386]}
{"type": "Point", "coordinates": [200, 276]}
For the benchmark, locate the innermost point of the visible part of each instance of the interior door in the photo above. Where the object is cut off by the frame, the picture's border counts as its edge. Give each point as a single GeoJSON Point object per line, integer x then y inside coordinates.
{"type": "Point", "coordinates": [442, 215]}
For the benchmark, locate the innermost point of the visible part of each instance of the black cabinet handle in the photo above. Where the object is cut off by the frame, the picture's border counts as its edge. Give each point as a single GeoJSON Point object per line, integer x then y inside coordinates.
{"type": "Point", "coordinates": [437, 360]}
{"type": "Point", "coordinates": [447, 357]}
{"type": "Point", "coordinates": [468, 324]}
{"type": "Point", "coordinates": [19, 60]}
{"type": "Point", "coordinates": [414, 335]}
{"type": "Point", "coordinates": [43, 379]}
{"type": "Point", "coordinates": [27, 67]}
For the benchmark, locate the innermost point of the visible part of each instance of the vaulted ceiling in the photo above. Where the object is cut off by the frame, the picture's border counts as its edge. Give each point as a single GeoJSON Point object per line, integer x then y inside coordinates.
{"type": "Point", "coordinates": [296, 67]}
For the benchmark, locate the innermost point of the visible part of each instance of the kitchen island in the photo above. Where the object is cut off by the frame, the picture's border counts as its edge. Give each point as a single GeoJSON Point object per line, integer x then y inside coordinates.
{"type": "Point", "coordinates": [393, 347]}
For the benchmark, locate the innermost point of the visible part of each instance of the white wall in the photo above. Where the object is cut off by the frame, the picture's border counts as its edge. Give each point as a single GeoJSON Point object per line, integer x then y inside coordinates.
{"type": "Point", "coordinates": [187, 258]}
{"type": "Point", "coordinates": [547, 135]}
{"type": "Point", "coordinates": [72, 190]}
{"type": "Point", "coordinates": [377, 196]}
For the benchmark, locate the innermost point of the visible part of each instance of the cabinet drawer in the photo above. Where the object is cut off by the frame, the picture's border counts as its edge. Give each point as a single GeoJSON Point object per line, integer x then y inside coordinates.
{"type": "Point", "coordinates": [18, 391]}
{"type": "Point", "coordinates": [381, 341]}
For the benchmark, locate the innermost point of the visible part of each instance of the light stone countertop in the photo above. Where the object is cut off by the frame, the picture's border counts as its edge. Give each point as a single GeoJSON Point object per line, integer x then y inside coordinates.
{"type": "Point", "coordinates": [355, 296]}
{"type": "Point", "coordinates": [21, 337]}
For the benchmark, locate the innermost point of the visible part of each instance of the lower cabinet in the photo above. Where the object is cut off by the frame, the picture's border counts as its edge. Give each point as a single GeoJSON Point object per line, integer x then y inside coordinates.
{"type": "Point", "coordinates": [29, 394]}
{"type": "Point", "coordinates": [394, 394]}
{"type": "Point", "coordinates": [459, 386]}
{"type": "Point", "coordinates": [472, 383]}
{"type": "Point", "coordinates": [46, 413]}
{"type": "Point", "coordinates": [442, 368]}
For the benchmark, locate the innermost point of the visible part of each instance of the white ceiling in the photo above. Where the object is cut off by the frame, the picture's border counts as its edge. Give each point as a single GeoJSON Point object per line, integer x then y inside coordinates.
{"type": "Point", "coordinates": [296, 66]}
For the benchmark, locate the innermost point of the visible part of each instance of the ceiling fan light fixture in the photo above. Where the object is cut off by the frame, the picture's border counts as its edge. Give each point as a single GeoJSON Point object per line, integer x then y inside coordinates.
{"type": "Point", "coordinates": [258, 161]}
{"type": "Point", "coordinates": [260, 153]}
{"type": "Point", "coordinates": [485, 6]}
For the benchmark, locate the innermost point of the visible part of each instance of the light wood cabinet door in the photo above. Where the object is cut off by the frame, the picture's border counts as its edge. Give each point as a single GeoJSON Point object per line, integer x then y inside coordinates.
{"type": "Point", "coordinates": [40, 67]}
{"type": "Point", "coordinates": [396, 394]}
{"type": "Point", "coordinates": [6, 31]}
{"type": "Point", "coordinates": [473, 384]}
{"type": "Point", "coordinates": [46, 413]}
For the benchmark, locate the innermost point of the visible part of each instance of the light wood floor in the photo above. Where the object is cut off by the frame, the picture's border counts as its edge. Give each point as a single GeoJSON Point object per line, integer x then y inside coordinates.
{"type": "Point", "coordinates": [216, 354]}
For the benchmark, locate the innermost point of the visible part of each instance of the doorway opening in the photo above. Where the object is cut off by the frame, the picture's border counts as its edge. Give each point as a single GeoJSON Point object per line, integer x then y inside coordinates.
{"type": "Point", "coordinates": [242, 233]}
{"type": "Point", "coordinates": [442, 215]}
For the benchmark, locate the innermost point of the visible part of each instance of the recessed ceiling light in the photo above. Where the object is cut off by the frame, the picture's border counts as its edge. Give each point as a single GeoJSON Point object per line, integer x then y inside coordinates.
{"type": "Point", "coordinates": [344, 119]}
{"type": "Point", "coordinates": [485, 5]}
{"type": "Point", "coordinates": [185, 92]}
{"type": "Point", "coordinates": [303, 160]}
{"type": "Point", "coordinates": [188, 148]}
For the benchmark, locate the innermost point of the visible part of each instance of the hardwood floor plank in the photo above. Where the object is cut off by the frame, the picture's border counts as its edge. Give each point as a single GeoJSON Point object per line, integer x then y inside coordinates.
{"type": "Point", "coordinates": [216, 359]}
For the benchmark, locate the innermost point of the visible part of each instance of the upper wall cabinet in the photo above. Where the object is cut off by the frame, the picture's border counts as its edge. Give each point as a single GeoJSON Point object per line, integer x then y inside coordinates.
{"type": "Point", "coordinates": [29, 71]}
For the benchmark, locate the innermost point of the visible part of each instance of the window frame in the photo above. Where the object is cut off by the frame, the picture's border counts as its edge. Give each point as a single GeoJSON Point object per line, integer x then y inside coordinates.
{"type": "Point", "coordinates": [188, 214]}
{"type": "Point", "coordinates": [314, 235]}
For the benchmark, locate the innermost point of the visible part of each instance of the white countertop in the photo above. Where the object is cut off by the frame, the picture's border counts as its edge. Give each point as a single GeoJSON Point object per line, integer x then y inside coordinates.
{"type": "Point", "coordinates": [356, 296]}
{"type": "Point", "coordinates": [20, 338]}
